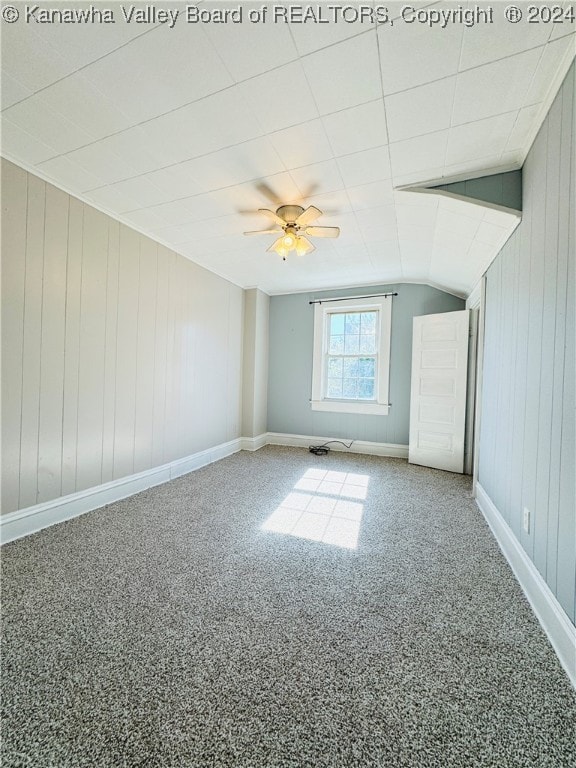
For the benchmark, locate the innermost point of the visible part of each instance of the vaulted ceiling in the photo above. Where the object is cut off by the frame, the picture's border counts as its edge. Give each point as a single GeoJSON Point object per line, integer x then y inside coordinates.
{"type": "Point", "coordinates": [185, 132]}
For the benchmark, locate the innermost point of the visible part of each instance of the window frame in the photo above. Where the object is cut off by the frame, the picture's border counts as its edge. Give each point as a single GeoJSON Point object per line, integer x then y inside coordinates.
{"type": "Point", "coordinates": [322, 312]}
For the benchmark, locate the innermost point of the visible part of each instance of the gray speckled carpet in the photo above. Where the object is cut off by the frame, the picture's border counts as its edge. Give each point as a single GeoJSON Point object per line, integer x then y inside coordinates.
{"type": "Point", "coordinates": [171, 629]}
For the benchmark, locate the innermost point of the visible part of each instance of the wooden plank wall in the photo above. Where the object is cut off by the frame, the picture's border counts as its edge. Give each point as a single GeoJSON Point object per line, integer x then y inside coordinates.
{"type": "Point", "coordinates": [118, 354]}
{"type": "Point", "coordinates": [527, 429]}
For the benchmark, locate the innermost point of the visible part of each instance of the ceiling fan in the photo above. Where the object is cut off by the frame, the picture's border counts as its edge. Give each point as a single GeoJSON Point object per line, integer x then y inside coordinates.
{"type": "Point", "coordinates": [293, 225]}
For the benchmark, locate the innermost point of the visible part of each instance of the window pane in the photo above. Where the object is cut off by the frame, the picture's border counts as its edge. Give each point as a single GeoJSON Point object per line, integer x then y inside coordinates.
{"type": "Point", "coordinates": [334, 388]}
{"type": "Point", "coordinates": [368, 322]}
{"type": "Point", "coordinates": [337, 325]}
{"type": "Point", "coordinates": [352, 323]}
{"type": "Point", "coordinates": [351, 367]}
{"type": "Point", "coordinates": [350, 388]}
{"type": "Point", "coordinates": [334, 367]}
{"type": "Point", "coordinates": [366, 389]}
{"type": "Point", "coordinates": [368, 345]}
{"type": "Point", "coordinates": [336, 345]}
{"type": "Point", "coordinates": [366, 366]}
{"type": "Point", "coordinates": [352, 345]}
{"type": "Point", "coordinates": [348, 341]}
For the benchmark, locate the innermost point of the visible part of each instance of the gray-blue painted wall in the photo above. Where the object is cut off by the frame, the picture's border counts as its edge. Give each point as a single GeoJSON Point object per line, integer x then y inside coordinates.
{"type": "Point", "coordinates": [499, 188]}
{"type": "Point", "coordinates": [527, 425]}
{"type": "Point", "coordinates": [290, 378]}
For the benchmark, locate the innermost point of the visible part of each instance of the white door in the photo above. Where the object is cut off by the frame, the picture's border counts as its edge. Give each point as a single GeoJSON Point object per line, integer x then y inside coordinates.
{"type": "Point", "coordinates": [438, 391]}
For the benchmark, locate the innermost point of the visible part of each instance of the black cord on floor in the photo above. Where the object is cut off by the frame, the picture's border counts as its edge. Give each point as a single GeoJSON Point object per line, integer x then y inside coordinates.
{"type": "Point", "coordinates": [322, 450]}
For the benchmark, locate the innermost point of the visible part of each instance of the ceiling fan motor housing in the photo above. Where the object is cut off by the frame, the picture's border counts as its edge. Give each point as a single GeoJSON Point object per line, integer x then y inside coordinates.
{"type": "Point", "coordinates": [289, 212]}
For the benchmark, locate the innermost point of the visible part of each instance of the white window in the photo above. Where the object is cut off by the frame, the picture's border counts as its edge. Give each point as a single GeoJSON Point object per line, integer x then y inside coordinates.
{"type": "Point", "coordinates": [352, 356]}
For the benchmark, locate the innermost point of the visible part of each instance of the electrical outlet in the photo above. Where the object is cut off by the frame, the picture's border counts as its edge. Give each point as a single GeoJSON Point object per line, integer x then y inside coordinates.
{"type": "Point", "coordinates": [526, 520]}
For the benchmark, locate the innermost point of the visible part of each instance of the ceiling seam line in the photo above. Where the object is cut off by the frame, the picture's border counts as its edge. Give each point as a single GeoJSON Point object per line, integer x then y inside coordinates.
{"type": "Point", "coordinates": [79, 69]}
{"type": "Point", "coordinates": [247, 141]}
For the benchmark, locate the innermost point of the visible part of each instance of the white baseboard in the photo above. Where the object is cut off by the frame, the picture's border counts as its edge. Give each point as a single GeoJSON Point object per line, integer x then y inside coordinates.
{"type": "Point", "coordinates": [23, 522]}
{"type": "Point", "coordinates": [555, 623]}
{"type": "Point", "coordinates": [358, 446]}
{"type": "Point", "coordinates": [254, 443]}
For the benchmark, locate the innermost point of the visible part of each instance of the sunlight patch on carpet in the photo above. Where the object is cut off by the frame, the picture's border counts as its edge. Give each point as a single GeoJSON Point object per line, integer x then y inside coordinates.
{"type": "Point", "coordinates": [324, 506]}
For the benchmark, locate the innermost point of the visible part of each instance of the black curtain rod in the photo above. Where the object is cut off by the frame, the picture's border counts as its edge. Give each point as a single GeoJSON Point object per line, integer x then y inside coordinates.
{"type": "Point", "coordinates": [348, 298]}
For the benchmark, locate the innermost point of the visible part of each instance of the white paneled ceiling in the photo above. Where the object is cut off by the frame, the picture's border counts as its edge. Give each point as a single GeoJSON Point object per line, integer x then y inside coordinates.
{"type": "Point", "coordinates": [185, 132]}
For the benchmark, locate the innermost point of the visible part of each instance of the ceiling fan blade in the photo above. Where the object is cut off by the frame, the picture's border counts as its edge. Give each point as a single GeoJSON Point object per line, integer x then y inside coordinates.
{"type": "Point", "coordinates": [303, 246]}
{"type": "Point", "coordinates": [264, 232]}
{"type": "Point", "coordinates": [268, 193]}
{"type": "Point", "coordinates": [322, 231]}
{"type": "Point", "coordinates": [272, 215]}
{"type": "Point", "coordinates": [274, 245]}
{"type": "Point", "coordinates": [308, 216]}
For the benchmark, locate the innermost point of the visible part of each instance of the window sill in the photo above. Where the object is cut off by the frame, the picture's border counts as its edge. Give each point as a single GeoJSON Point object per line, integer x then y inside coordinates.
{"type": "Point", "coordinates": [349, 406]}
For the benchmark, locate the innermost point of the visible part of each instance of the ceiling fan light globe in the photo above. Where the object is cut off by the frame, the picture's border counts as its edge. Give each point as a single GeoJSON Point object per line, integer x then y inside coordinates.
{"type": "Point", "coordinates": [289, 241]}
{"type": "Point", "coordinates": [301, 247]}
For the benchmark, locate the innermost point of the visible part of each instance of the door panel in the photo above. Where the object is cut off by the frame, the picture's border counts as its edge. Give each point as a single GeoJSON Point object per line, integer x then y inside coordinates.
{"type": "Point", "coordinates": [438, 390]}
